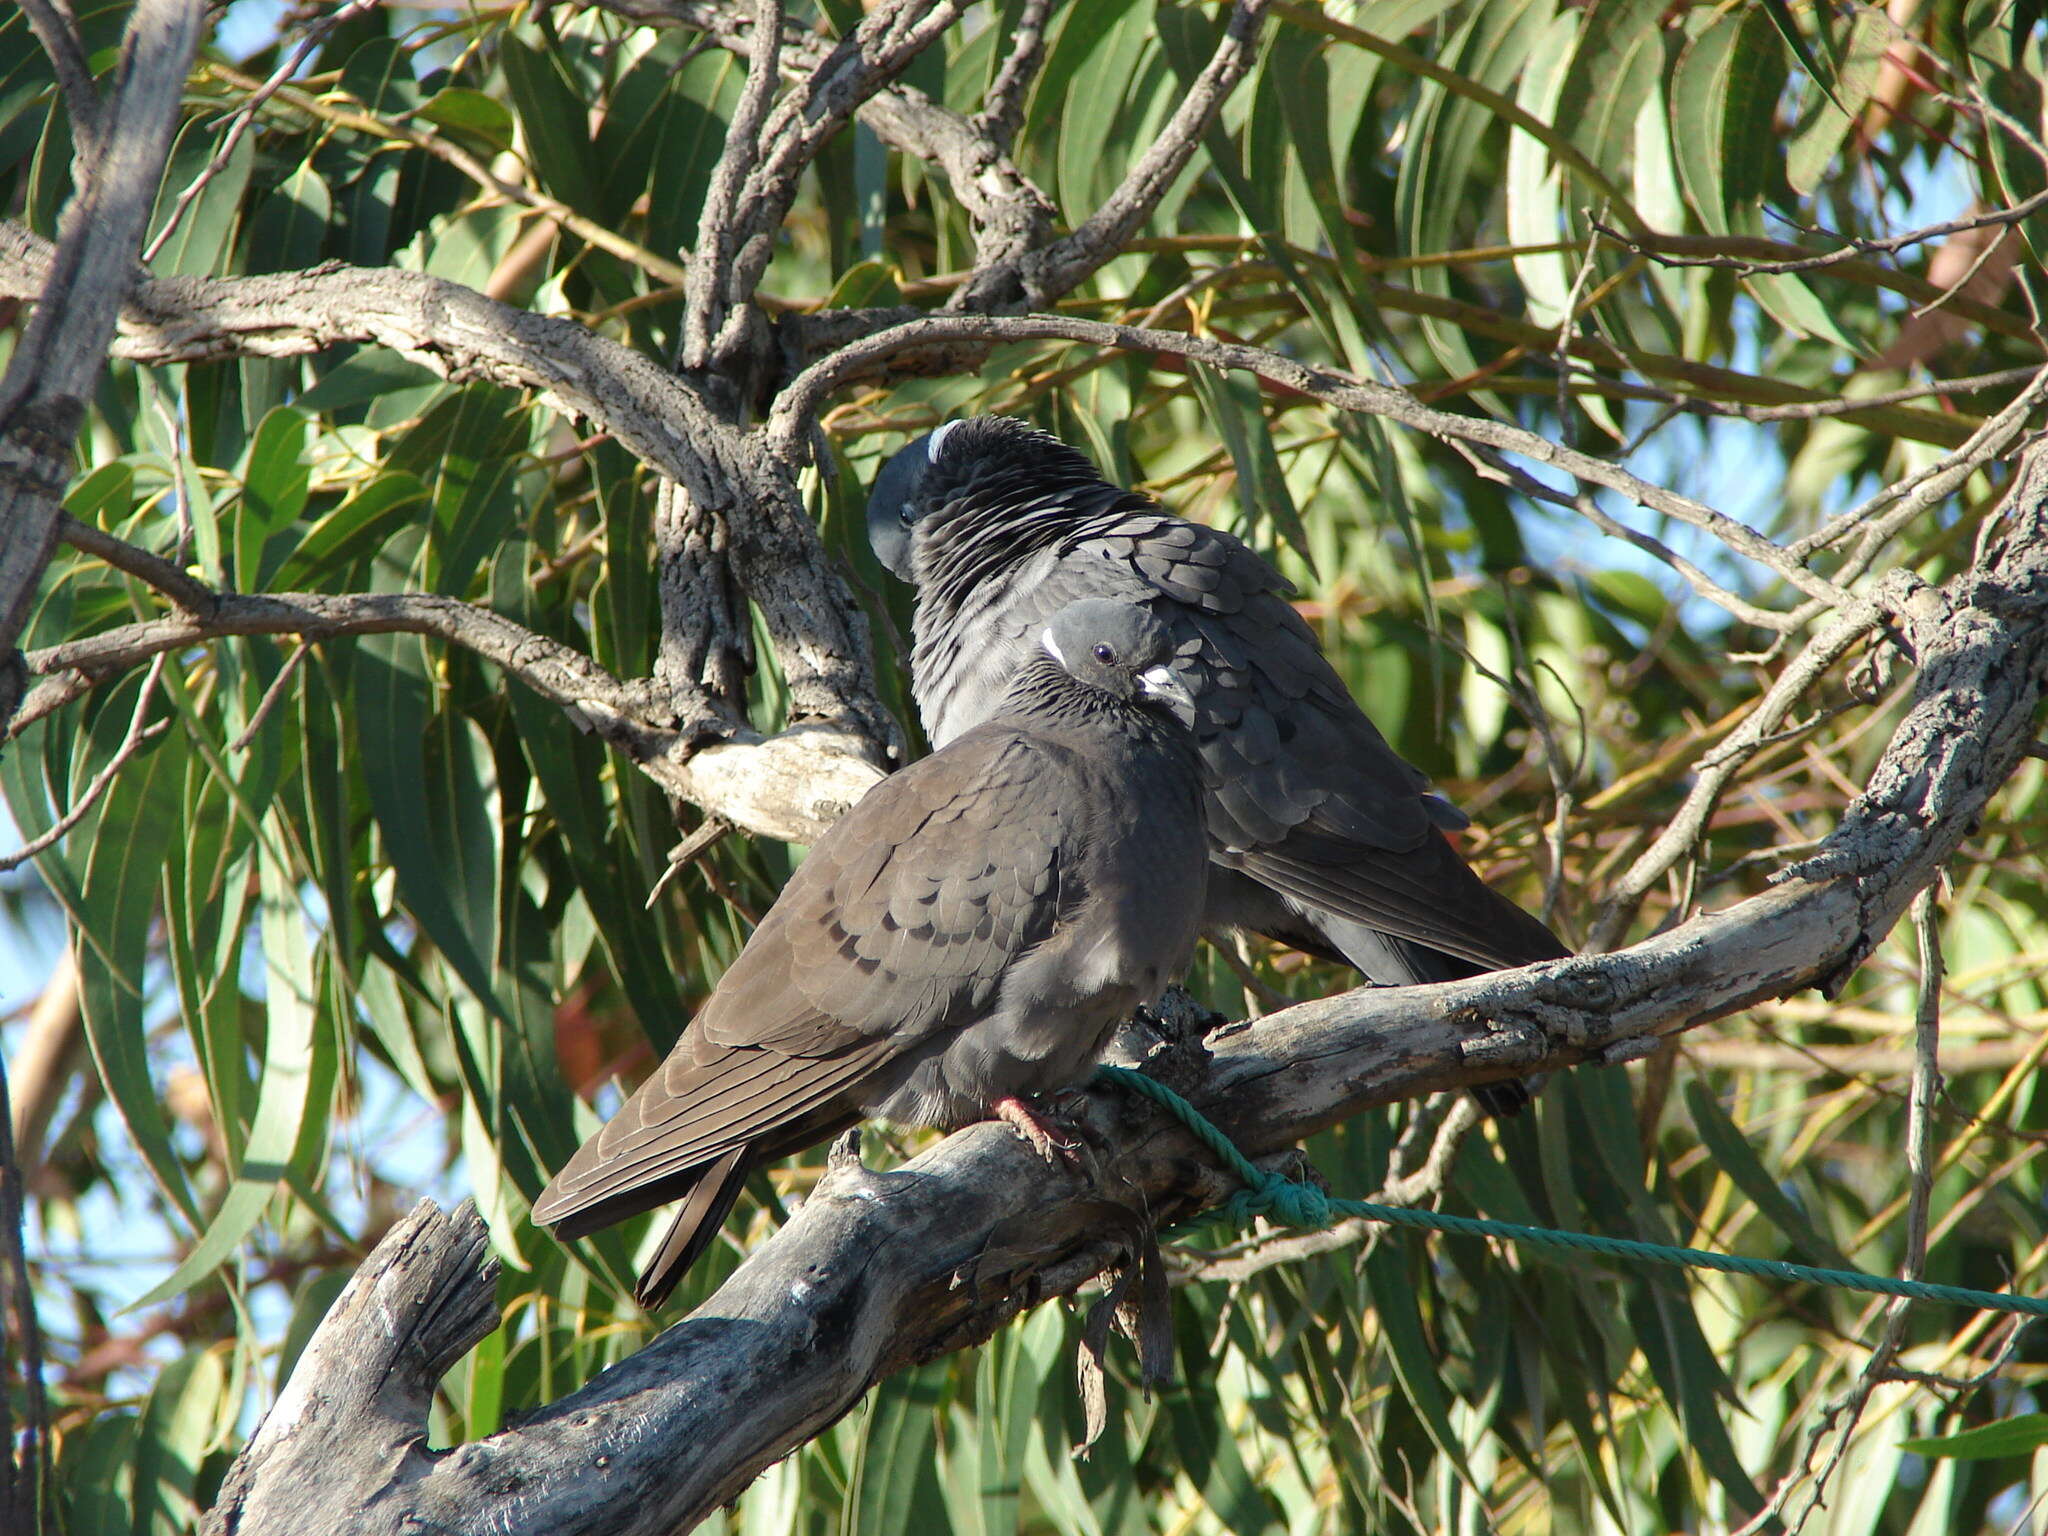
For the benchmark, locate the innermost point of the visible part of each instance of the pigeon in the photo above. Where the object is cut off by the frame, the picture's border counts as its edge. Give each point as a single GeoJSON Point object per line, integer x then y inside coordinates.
{"type": "Point", "coordinates": [1320, 834]}
{"type": "Point", "coordinates": [967, 936]}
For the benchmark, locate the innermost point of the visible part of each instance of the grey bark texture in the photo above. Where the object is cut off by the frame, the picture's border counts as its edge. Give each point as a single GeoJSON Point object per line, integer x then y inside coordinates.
{"type": "Point", "coordinates": [54, 368]}
{"type": "Point", "coordinates": [878, 1271]}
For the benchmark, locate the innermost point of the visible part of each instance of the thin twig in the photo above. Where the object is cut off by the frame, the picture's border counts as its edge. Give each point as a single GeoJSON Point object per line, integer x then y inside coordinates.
{"type": "Point", "coordinates": [1567, 328]}
{"type": "Point", "coordinates": [1852, 250]}
{"type": "Point", "coordinates": [1845, 1415]}
{"type": "Point", "coordinates": [1269, 1250]}
{"type": "Point", "coordinates": [1002, 107]}
{"type": "Point", "coordinates": [271, 695]}
{"type": "Point", "coordinates": [1933, 482]}
{"type": "Point", "coordinates": [131, 743]}
{"type": "Point", "coordinates": [1492, 465]}
{"type": "Point", "coordinates": [686, 853]}
{"type": "Point", "coordinates": [362, 120]}
{"type": "Point", "coordinates": [1926, 1083]}
{"type": "Point", "coordinates": [1817, 410]}
{"type": "Point", "coordinates": [181, 587]}
{"type": "Point", "coordinates": [1713, 773]}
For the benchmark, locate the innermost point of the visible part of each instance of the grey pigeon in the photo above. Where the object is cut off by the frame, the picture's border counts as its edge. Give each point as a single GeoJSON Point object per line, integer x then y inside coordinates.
{"type": "Point", "coordinates": [967, 935]}
{"type": "Point", "coordinates": [1320, 834]}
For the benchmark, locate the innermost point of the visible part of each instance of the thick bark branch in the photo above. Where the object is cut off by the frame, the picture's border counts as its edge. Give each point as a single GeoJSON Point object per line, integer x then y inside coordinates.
{"type": "Point", "coordinates": [50, 376]}
{"type": "Point", "coordinates": [878, 1271]}
{"type": "Point", "coordinates": [789, 787]}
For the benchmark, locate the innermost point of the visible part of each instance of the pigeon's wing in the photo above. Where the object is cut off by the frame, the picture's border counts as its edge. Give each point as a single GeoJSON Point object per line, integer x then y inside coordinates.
{"type": "Point", "coordinates": [899, 923]}
{"type": "Point", "coordinates": [703, 1103]}
{"type": "Point", "coordinates": [1304, 793]}
{"type": "Point", "coordinates": [904, 917]}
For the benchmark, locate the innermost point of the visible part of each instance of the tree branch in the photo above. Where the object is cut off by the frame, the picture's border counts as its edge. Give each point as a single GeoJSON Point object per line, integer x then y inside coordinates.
{"type": "Point", "coordinates": [1007, 212]}
{"type": "Point", "coordinates": [182, 588]}
{"type": "Point", "coordinates": [709, 282]}
{"type": "Point", "coordinates": [1002, 106]}
{"type": "Point", "coordinates": [878, 1271]}
{"type": "Point", "coordinates": [55, 30]}
{"type": "Point", "coordinates": [1046, 275]}
{"type": "Point", "coordinates": [789, 787]}
{"type": "Point", "coordinates": [767, 153]}
{"type": "Point", "coordinates": [796, 403]}
{"type": "Point", "coordinates": [139, 731]}
{"type": "Point", "coordinates": [460, 335]}
{"type": "Point", "coordinates": [1671, 251]}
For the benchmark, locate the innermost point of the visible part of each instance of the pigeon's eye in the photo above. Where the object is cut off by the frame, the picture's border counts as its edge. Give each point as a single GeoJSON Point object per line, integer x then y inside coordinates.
{"type": "Point", "coordinates": [1104, 653]}
{"type": "Point", "coordinates": [905, 516]}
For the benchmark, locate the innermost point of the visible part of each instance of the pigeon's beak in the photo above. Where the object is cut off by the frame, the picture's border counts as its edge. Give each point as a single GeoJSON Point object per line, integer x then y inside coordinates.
{"type": "Point", "coordinates": [1163, 683]}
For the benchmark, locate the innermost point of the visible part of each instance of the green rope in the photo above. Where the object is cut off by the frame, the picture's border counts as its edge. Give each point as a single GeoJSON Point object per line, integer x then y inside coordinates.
{"type": "Point", "coordinates": [1296, 1204]}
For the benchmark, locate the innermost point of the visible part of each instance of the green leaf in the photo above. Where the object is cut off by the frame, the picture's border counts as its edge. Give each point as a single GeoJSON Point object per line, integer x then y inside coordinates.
{"type": "Point", "coordinates": [470, 114]}
{"type": "Point", "coordinates": [196, 247]}
{"type": "Point", "coordinates": [1814, 148]}
{"type": "Point", "coordinates": [298, 1073]}
{"type": "Point", "coordinates": [469, 449]}
{"type": "Point", "coordinates": [1619, 60]}
{"type": "Point", "coordinates": [1733, 1156]}
{"type": "Point", "coordinates": [289, 226]}
{"type": "Point", "coordinates": [338, 544]}
{"type": "Point", "coordinates": [1233, 406]}
{"type": "Point", "coordinates": [896, 1488]}
{"type": "Point", "coordinates": [276, 480]}
{"type": "Point", "coordinates": [177, 1429]}
{"type": "Point", "coordinates": [1414, 1357]}
{"type": "Point", "coordinates": [315, 1296]}
{"type": "Point", "coordinates": [693, 127]}
{"type": "Point", "coordinates": [1536, 205]}
{"type": "Point", "coordinates": [1724, 134]}
{"type": "Point", "coordinates": [431, 859]}
{"type": "Point", "coordinates": [2021, 1435]}
{"type": "Point", "coordinates": [128, 836]}
{"type": "Point", "coordinates": [553, 117]}
{"type": "Point", "coordinates": [369, 375]}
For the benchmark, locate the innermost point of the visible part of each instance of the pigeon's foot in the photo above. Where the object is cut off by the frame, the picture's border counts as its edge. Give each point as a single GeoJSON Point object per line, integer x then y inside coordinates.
{"type": "Point", "coordinates": [1041, 1130]}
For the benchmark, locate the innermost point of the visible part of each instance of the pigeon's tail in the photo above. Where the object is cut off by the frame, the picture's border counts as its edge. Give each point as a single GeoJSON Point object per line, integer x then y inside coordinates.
{"type": "Point", "coordinates": [1508, 1097]}
{"type": "Point", "coordinates": [694, 1228]}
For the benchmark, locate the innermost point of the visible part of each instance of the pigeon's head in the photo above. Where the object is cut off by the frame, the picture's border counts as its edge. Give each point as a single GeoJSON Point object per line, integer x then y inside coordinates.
{"type": "Point", "coordinates": [994, 458]}
{"type": "Point", "coordinates": [1122, 649]}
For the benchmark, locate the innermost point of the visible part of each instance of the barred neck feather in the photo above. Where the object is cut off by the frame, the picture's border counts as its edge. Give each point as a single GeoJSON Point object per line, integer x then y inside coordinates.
{"type": "Point", "coordinates": [1046, 693]}
{"type": "Point", "coordinates": [1001, 518]}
